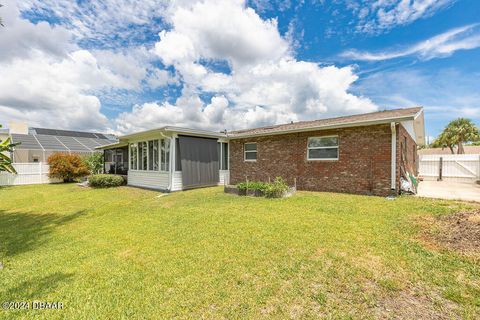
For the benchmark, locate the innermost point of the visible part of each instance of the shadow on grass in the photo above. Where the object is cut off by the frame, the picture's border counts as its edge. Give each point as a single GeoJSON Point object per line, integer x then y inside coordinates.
{"type": "Point", "coordinates": [38, 287]}
{"type": "Point", "coordinates": [23, 231]}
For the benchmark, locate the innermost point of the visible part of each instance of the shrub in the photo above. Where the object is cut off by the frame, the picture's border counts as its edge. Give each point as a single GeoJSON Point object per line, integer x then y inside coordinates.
{"type": "Point", "coordinates": [94, 162]}
{"type": "Point", "coordinates": [68, 167]}
{"type": "Point", "coordinates": [105, 181]}
{"type": "Point", "coordinates": [252, 185]}
{"type": "Point", "coordinates": [276, 189]}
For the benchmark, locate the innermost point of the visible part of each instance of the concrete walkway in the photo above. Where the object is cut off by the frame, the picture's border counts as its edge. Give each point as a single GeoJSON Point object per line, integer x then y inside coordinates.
{"type": "Point", "coordinates": [449, 190]}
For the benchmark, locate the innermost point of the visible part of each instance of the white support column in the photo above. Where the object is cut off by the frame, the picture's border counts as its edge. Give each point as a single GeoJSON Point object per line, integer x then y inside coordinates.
{"type": "Point", "coordinates": [394, 156]}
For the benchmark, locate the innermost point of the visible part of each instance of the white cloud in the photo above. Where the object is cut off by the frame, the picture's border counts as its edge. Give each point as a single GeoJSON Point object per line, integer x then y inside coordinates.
{"type": "Point", "coordinates": [442, 45]}
{"type": "Point", "coordinates": [381, 15]}
{"type": "Point", "coordinates": [225, 30]}
{"type": "Point", "coordinates": [265, 83]}
{"type": "Point", "coordinates": [19, 38]}
{"type": "Point", "coordinates": [105, 22]}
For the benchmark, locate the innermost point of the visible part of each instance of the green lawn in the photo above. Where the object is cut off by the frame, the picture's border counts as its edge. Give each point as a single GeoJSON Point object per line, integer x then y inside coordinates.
{"type": "Point", "coordinates": [128, 253]}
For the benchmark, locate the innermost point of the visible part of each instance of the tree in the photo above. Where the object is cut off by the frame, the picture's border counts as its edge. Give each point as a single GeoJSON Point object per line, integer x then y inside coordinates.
{"type": "Point", "coordinates": [456, 133]}
{"type": "Point", "coordinates": [6, 147]}
{"type": "Point", "coordinates": [67, 167]}
{"type": "Point", "coordinates": [95, 162]}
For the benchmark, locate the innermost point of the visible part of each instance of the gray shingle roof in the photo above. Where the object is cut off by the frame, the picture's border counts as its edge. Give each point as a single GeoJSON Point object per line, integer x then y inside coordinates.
{"type": "Point", "coordinates": [318, 124]}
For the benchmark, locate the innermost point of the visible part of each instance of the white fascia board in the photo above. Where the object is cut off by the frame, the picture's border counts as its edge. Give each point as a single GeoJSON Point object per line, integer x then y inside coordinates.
{"type": "Point", "coordinates": [195, 132]}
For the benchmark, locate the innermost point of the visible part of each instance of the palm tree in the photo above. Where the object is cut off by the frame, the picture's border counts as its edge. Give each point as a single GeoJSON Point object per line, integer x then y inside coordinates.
{"type": "Point", "coordinates": [456, 133]}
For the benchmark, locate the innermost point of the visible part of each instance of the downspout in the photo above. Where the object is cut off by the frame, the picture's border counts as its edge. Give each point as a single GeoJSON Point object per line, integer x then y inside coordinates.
{"type": "Point", "coordinates": [393, 185]}
{"type": "Point", "coordinates": [170, 175]}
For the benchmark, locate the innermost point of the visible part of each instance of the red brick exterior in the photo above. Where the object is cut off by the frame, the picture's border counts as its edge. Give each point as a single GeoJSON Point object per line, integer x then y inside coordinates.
{"type": "Point", "coordinates": [363, 167]}
{"type": "Point", "coordinates": [407, 156]}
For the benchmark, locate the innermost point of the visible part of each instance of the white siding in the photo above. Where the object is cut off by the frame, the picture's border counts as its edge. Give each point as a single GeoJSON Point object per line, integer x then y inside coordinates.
{"type": "Point", "coordinates": [224, 177]}
{"type": "Point", "coordinates": [177, 181]}
{"type": "Point", "coordinates": [28, 173]}
{"type": "Point", "coordinates": [148, 179]}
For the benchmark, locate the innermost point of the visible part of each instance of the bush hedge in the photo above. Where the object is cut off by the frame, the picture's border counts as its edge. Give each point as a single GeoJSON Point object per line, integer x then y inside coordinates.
{"type": "Point", "coordinates": [275, 189]}
{"type": "Point", "coordinates": [105, 180]}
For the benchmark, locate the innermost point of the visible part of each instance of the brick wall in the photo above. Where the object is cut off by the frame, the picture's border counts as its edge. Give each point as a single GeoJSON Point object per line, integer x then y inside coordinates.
{"type": "Point", "coordinates": [407, 156]}
{"type": "Point", "coordinates": [363, 166]}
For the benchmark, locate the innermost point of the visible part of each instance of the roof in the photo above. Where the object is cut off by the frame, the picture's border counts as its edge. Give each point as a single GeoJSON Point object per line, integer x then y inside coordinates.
{"type": "Point", "coordinates": [345, 121]}
{"type": "Point", "coordinates": [49, 142]}
{"type": "Point", "coordinates": [70, 133]}
{"type": "Point", "coordinates": [431, 151]}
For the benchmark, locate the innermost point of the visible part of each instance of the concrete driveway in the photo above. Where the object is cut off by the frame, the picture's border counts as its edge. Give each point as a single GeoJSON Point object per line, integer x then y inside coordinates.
{"type": "Point", "coordinates": [449, 190]}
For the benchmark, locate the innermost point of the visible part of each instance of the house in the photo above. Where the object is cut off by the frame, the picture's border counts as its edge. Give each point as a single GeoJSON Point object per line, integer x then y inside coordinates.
{"type": "Point", "coordinates": [37, 144]}
{"type": "Point", "coordinates": [363, 154]}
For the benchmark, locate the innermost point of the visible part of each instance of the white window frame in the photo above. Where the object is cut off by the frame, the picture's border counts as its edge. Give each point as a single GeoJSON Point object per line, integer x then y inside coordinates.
{"type": "Point", "coordinates": [330, 147]}
{"type": "Point", "coordinates": [150, 157]}
{"type": "Point", "coordinates": [251, 151]}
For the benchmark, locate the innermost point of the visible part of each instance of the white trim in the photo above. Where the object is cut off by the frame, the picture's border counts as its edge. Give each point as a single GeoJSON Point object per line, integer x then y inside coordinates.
{"type": "Point", "coordinates": [251, 151]}
{"type": "Point", "coordinates": [69, 151]}
{"type": "Point", "coordinates": [393, 177]}
{"type": "Point", "coordinates": [329, 147]}
{"type": "Point", "coordinates": [83, 144]}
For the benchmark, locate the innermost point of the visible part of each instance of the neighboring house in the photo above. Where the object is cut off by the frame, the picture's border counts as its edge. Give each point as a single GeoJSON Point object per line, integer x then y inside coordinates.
{"type": "Point", "coordinates": [37, 144]}
{"type": "Point", "coordinates": [434, 151]}
{"type": "Point", "coordinates": [364, 154]}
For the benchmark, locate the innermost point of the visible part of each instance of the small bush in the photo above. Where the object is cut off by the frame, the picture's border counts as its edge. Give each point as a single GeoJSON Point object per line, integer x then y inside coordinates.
{"type": "Point", "coordinates": [68, 167]}
{"type": "Point", "coordinates": [105, 181]}
{"type": "Point", "coordinates": [252, 185]}
{"type": "Point", "coordinates": [94, 162]}
{"type": "Point", "coordinates": [276, 189]}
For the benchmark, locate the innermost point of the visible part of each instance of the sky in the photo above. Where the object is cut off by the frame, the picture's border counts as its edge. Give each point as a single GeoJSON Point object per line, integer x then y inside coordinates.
{"type": "Point", "coordinates": [125, 66]}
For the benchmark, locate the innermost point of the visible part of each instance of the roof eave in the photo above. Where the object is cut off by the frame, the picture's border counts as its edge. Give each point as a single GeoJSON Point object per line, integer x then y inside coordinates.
{"type": "Point", "coordinates": [326, 127]}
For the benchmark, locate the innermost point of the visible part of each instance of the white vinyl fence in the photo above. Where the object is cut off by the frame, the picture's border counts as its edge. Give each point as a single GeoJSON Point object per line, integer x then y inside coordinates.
{"type": "Point", "coordinates": [453, 167]}
{"type": "Point", "coordinates": [27, 173]}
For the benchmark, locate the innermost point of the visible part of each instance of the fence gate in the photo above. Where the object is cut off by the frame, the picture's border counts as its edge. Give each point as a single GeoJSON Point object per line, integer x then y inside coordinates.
{"type": "Point", "coordinates": [27, 173]}
{"type": "Point", "coordinates": [453, 167]}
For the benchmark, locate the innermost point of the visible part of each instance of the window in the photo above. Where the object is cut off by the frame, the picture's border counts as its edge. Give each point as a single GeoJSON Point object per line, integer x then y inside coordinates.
{"type": "Point", "coordinates": [133, 156]}
{"type": "Point", "coordinates": [322, 148]}
{"type": "Point", "coordinates": [250, 151]}
{"type": "Point", "coordinates": [142, 155]}
{"type": "Point", "coordinates": [223, 155]}
{"type": "Point", "coordinates": [152, 155]}
{"type": "Point", "coordinates": [155, 155]}
{"type": "Point", "coordinates": [164, 155]}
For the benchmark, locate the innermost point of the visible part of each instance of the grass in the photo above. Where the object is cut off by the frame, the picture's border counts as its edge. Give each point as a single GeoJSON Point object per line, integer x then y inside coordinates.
{"type": "Point", "coordinates": [127, 253]}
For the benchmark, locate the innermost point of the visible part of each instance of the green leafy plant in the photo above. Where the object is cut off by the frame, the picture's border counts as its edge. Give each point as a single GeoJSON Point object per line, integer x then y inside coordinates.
{"type": "Point", "coordinates": [94, 162]}
{"type": "Point", "coordinates": [252, 185]}
{"type": "Point", "coordinates": [68, 167]}
{"type": "Point", "coordinates": [6, 146]}
{"type": "Point", "coordinates": [105, 181]}
{"type": "Point", "coordinates": [276, 189]}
